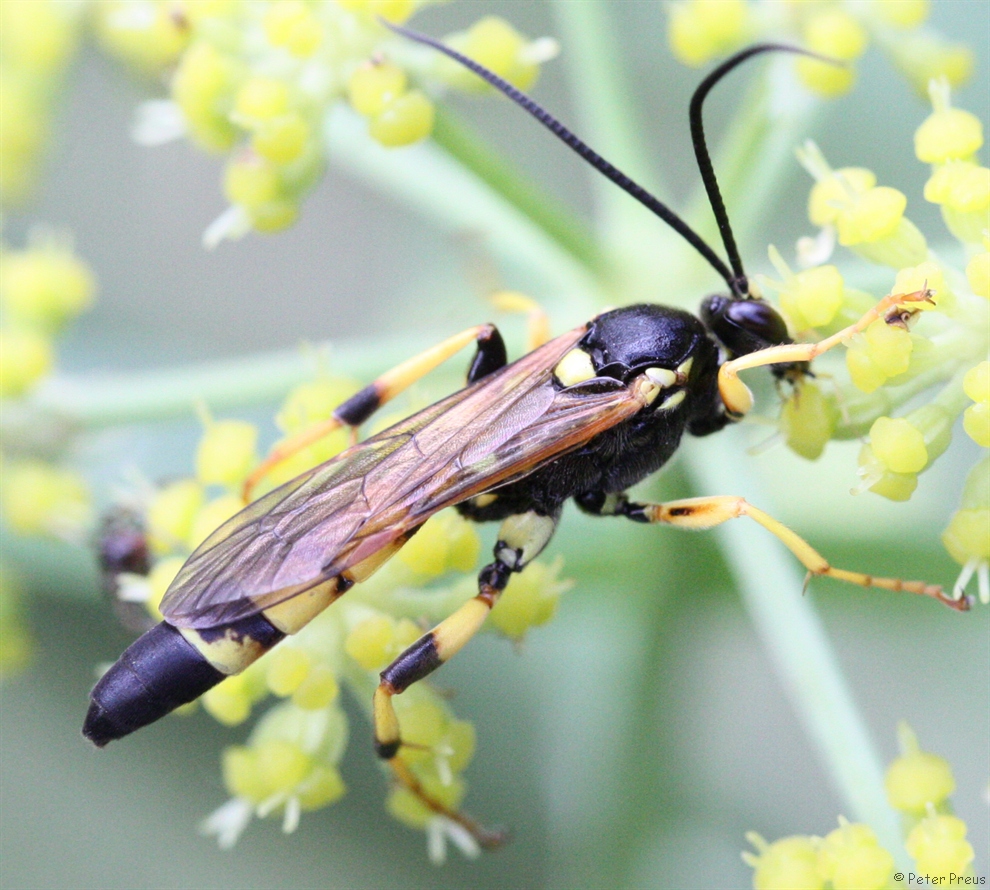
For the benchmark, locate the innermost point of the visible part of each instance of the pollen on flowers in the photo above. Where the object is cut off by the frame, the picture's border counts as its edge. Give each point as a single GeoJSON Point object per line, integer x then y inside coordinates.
{"type": "Point", "coordinates": [701, 30]}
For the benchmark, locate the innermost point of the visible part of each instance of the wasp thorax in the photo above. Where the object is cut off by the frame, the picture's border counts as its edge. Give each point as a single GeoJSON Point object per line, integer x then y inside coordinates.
{"type": "Point", "coordinates": [574, 368]}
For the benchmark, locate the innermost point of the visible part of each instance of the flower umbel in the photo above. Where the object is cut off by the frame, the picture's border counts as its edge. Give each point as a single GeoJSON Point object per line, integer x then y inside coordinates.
{"type": "Point", "coordinates": [918, 784]}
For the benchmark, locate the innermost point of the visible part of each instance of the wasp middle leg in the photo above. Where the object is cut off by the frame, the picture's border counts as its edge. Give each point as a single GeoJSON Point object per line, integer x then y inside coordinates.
{"type": "Point", "coordinates": [707, 512]}
{"type": "Point", "coordinates": [489, 357]}
{"type": "Point", "coordinates": [521, 539]}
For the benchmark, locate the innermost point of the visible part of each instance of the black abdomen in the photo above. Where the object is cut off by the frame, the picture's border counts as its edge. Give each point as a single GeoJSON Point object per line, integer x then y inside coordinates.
{"type": "Point", "coordinates": [157, 673]}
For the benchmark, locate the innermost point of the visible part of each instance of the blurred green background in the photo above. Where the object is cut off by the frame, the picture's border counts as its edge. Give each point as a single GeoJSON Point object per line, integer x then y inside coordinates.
{"type": "Point", "coordinates": [632, 741]}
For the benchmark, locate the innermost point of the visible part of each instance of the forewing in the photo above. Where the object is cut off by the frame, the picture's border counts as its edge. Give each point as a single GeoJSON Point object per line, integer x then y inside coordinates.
{"type": "Point", "coordinates": [346, 510]}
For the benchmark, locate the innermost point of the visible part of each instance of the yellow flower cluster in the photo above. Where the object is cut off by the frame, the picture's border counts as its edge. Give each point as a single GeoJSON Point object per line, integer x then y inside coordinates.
{"type": "Point", "coordinates": [42, 289]}
{"type": "Point", "coordinates": [939, 347]}
{"type": "Point", "coordinates": [702, 30]}
{"type": "Point", "coordinates": [38, 39]}
{"type": "Point", "coordinates": [256, 81]}
{"type": "Point", "coordinates": [851, 858]}
{"type": "Point", "coordinates": [289, 763]}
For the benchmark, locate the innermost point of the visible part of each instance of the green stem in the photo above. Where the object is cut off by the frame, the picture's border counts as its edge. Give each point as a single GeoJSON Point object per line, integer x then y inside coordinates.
{"type": "Point", "coordinates": [793, 635]}
{"type": "Point", "coordinates": [440, 189]}
{"type": "Point", "coordinates": [92, 403]}
{"type": "Point", "coordinates": [466, 146]}
{"type": "Point", "coordinates": [609, 121]}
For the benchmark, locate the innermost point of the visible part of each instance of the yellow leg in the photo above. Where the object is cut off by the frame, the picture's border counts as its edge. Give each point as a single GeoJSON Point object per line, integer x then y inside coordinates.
{"type": "Point", "coordinates": [736, 395]}
{"type": "Point", "coordinates": [357, 409]}
{"type": "Point", "coordinates": [521, 539]}
{"type": "Point", "coordinates": [537, 322]}
{"type": "Point", "coordinates": [702, 513]}
{"type": "Point", "coordinates": [419, 660]}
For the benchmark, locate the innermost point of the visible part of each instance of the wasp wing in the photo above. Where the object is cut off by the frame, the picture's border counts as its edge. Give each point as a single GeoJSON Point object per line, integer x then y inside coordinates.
{"type": "Point", "coordinates": [346, 510]}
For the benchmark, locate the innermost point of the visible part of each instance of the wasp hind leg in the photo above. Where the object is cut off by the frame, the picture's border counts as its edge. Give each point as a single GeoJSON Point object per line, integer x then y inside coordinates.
{"type": "Point", "coordinates": [521, 538]}
{"type": "Point", "coordinates": [490, 356]}
{"type": "Point", "coordinates": [707, 512]}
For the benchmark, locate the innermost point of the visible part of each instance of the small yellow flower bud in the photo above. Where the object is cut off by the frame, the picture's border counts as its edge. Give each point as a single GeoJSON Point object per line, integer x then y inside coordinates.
{"type": "Point", "coordinates": [44, 287]}
{"type": "Point", "coordinates": [836, 190]}
{"type": "Point", "coordinates": [808, 420]}
{"type": "Point", "coordinates": [211, 516]}
{"type": "Point", "coordinates": [241, 774]}
{"type": "Point", "coordinates": [902, 13]}
{"type": "Point", "coordinates": [149, 37]}
{"type": "Point", "coordinates": [171, 513]}
{"type": "Point", "coordinates": [835, 33]}
{"type": "Point", "coordinates": [321, 787]}
{"type": "Point", "coordinates": [406, 119]}
{"type": "Point", "coordinates": [976, 423]}
{"type": "Point", "coordinates": [395, 11]}
{"type": "Point", "coordinates": [948, 134]}
{"type": "Point", "coordinates": [978, 274]}
{"type": "Point", "coordinates": [229, 703]}
{"type": "Point", "coordinates": [881, 480]}
{"type": "Point", "coordinates": [790, 863]}
{"type": "Point", "coordinates": [291, 24]}
{"type": "Point", "coordinates": [251, 181]}
{"type": "Point", "coordinates": [852, 859]}
{"type": "Point", "coordinates": [898, 444]}
{"type": "Point", "coordinates": [812, 298]}
{"type": "Point", "coordinates": [871, 216]}
{"type": "Point", "coordinates": [274, 216]}
{"type": "Point", "coordinates": [25, 357]}
{"type": "Point", "coordinates": [283, 765]}
{"type": "Point", "coordinates": [374, 85]}
{"type": "Point", "coordinates": [917, 778]}
{"type": "Point", "coordinates": [203, 87]}
{"type": "Point", "coordinates": [226, 453]}
{"type": "Point", "coordinates": [967, 536]}
{"type": "Point", "coordinates": [286, 669]}
{"type": "Point", "coordinates": [162, 574]}
{"type": "Point", "coordinates": [530, 599]}
{"type": "Point", "coordinates": [43, 499]}
{"type": "Point", "coordinates": [262, 97]}
{"type": "Point", "coordinates": [915, 278]}
{"type": "Point", "coordinates": [371, 642]}
{"type": "Point", "coordinates": [283, 139]}
{"type": "Point", "coordinates": [700, 30]}
{"type": "Point", "coordinates": [939, 846]}
{"type": "Point", "coordinates": [447, 542]}
{"type": "Point", "coordinates": [317, 690]}
{"type": "Point", "coordinates": [824, 79]}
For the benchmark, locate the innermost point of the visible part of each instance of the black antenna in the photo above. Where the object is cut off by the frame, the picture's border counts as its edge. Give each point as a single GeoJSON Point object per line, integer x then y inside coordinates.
{"type": "Point", "coordinates": [704, 160]}
{"type": "Point", "coordinates": [735, 278]}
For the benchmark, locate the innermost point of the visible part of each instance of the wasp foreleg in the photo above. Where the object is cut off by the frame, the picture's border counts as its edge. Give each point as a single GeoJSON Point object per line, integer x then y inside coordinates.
{"type": "Point", "coordinates": [736, 395]}
{"type": "Point", "coordinates": [521, 538]}
{"type": "Point", "coordinates": [490, 356]}
{"type": "Point", "coordinates": [704, 513]}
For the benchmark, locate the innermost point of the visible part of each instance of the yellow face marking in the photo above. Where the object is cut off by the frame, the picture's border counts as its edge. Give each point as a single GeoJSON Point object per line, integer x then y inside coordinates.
{"type": "Point", "coordinates": [484, 500]}
{"type": "Point", "coordinates": [575, 367]}
{"type": "Point", "coordinates": [673, 401]}
{"type": "Point", "coordinates": [662, 377]}
{"type": "Point", "coordinates": [684, 369]}
{"type": "Point", "coordinates": [293, 614]}
{"type": "Point", "coordinates": [229, 654]}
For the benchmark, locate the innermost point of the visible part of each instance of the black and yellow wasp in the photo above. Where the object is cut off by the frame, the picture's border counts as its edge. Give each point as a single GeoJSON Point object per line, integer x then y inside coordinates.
{"type": "Point", "coordinates": [582, 416]}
